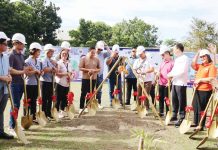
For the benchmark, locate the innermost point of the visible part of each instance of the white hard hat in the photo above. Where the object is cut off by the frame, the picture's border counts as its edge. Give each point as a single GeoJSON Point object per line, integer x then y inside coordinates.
{"type": "Point", "coordinates": [19, 37]}
{"type": "Point", "coordinates": [204, 52]}
{"type": "Point", "coordinates": [116, 48]}
{"type": "Point", "coordinates": [140, 50]}
{"type": "Point", "coordinates": [163, 49]}
{"type": "Point", "coordinates": [65, 45]}
{"type": "Point", "coordinates": [3, 36]}
{"type": "Point", "coordinates": [48, 47]}
{"type": "Point", "coordinates": [100, 45]}
{"type": "Point", "coordinates": [35, 45]}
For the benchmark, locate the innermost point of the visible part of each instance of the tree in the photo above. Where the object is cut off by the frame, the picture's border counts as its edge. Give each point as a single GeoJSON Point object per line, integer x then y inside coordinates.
{"type": "Point", "coordinates": [88, 33]}
{"type": "Point", "coordinates": [170, 42]}
{"type": "Point", "coordinates": [202, 33]}
{"type": "Point", "coordinates": [134, 32]}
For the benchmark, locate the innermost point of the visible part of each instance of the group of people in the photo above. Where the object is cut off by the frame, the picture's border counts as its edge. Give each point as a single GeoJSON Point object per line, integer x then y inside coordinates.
{"type": "Point", "coordinates": [17, 71]}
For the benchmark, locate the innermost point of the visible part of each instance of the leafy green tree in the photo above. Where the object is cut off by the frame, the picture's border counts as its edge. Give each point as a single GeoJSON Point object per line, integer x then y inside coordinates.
{"type": "Point", "coordinates": [88, 33]}
{"type": "Point", "coordinates": [170, 42]}
{"type": "Point", "coordinates": [202, 33]}
{"type": "Point", "coordinates": [134, 32]}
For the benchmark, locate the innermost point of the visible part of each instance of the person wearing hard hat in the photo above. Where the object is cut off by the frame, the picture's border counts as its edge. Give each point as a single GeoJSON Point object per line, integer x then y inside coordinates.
{"type": "Point", "coordinates": [4, 79]}
{"type": "Point", "coordinates": [179, 77]}
{"type": "Point", "coordinates": [131, 80]}
{"type": "Point", "coordinates": [16, 60]}
{"type": "Point", "coordinates": [102, 55]}
{"type": "Point", "coordinates": [144, 70]}
{"type": "Point", "coordinates": [33, 76]}
{"type": "Point", "coordinates": [63, 78]}
{"type": "Point", "coordinates": [112, 78]}
{"type": "Point", "coordinates": [165, 67]}
{"type": "Point", "coordinates": [90, 66]}
{"type": "Point", "coordinates": [48, 66]}
{"type": "Point", "coordinates": [64, 46]}
{"type": "Point", "coordinates": [206, 72]}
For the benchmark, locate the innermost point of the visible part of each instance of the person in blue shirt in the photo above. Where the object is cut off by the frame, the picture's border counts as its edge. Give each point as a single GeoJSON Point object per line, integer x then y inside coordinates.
{"type": "Point", "coordinates": [131, 80]}
{"type": "Point", "coordinates": [5, 78]}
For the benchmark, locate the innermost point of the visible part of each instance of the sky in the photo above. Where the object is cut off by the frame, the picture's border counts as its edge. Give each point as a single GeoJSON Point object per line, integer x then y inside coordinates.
{"type": "Point", "coordinates": [172, 17]}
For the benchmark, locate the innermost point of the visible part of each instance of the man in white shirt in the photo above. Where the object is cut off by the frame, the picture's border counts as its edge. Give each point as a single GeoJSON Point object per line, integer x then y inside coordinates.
{"type": "Point", "coordinates": [179, 77]}
{"type": "Point", "coordinates": [144, 70]}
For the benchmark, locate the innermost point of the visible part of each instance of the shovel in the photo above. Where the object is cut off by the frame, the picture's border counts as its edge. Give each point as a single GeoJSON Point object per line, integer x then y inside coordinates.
{"type": "Point", "coordinates": [93, 105]}
{"type": "Point", "coordinates": [186, 123]}
{"type": "Point", "coordinates": [142, 112]}
{"type": "Point", "coordinates": [27, 120]}
{"type": "Point", "coordinates": [134, 104]}
{"type": "Point", "coordinates": [116, 101]}
{"type": "Point", "coordinates": [40, 115]}
{"type": "Point", "coordinates": [54, 112]}
{"type": "Point", "coordinates": [210, 125]}
{"type": "Point", "coordinates": [168, 101]}
{"type": "Point", "coordinates": [70, 109]}
{"type": "Point", "coordinates": [202, 117]}
{"type": "Point", "coordinates": [20, 134]}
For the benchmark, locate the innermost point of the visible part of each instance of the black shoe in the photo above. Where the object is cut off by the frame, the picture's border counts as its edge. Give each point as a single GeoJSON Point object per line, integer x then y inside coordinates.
{"type": "Point", "coordinates": [6, 136]}
{"type": "Point", "coordinates": [173, 119]}
{"type": "Point", "coordinates": [127, 103]}
{"type": "Point", "coordinates": [178, 123]}
{"type": "Point", "coordinates": [193, 125]}
{"type": "Point", "coordinates": [161, 114]}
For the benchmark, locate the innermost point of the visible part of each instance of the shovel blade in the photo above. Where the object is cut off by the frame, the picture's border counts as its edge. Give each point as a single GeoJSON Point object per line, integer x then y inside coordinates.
{"type": "Point", "coordinates": [39, 117]}
{"type": "Point", "coordinates": [116, 103]}
{"type": "Point", "coordinates": [21, 136]}
{"type": "Point", "coordinates": [142, 112]}
{"type": "Point", "coordinates": [71, 111]}
{"type": "Point", "coordinates": [213, 131]}
{"type": "Point", "coordinates": [185, 126]}
{"type": "Point", "coordinates": [133, 106]}
{"type": "Point", "coordinates": [91, 111]}
{"type": "Point", "coordinates": [54, 114]}
{"type": "Point", "coordinates": [26, 121]}
{"type": "Point", "coordinates": [168, 117]}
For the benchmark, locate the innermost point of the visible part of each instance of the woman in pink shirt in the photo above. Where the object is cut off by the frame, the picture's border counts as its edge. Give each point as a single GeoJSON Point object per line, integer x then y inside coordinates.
{"type": "Point", "coordinates": [165, 67]}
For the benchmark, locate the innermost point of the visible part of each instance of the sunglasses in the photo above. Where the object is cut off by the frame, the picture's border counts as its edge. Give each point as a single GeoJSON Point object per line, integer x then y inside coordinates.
{"type": "Point", "coordinates": [100, 49]}
{"type": "Point", "coordinates": [133, 51]}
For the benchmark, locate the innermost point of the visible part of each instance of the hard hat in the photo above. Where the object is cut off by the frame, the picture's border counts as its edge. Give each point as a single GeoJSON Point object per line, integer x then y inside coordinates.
{"type": "Point", "coordinates": [204, 52]}
{"type": "Point", "coordinates": [140, 50]}
{"type": "Point", "coordinates": [35, 45]}
{"type": "Point", "coordinates": [116, 48]}
{"type": "Point", "coordinates": [19, 37]}
{"type": "Point", "coordinates": [65, 45]}
{"type": "Point", "coordinates": [4, 36]}
{"type": "Point", "coordinates": [48, 47]}
{"type": "Point", "coordinates": [163, 49]}
{"type": "Point", "coordinates": [100, 45]}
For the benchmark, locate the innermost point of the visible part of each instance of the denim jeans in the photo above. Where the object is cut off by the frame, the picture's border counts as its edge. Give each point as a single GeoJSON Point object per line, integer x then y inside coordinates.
{"type": "Point", "coordinates": [98, 82]}
{"type": "Point", "coordinates": [112, 84]}
{"type": "Point", "coordinates": [17, 92]}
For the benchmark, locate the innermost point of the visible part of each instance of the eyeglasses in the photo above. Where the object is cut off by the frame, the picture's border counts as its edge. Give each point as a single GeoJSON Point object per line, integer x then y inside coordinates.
{"type": "Point", "coordinates": [100, 49]}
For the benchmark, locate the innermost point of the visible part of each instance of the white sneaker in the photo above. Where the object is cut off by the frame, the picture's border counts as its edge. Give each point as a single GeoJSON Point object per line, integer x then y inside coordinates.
{"type": "Point", "coordinates": [12, 132]}
{"type": "Point", "coordinates": [80, 110]}
{"type": "Point", "coordinates": [100, 107]}
{"type": "Point", "coordinates": [64, 113]}
{"type": "Point", "coordinates": [60, 115]}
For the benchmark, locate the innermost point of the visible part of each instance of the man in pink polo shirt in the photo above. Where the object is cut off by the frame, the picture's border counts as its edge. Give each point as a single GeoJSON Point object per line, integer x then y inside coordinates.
{"type": "Point", "coordinates": [165, 67]}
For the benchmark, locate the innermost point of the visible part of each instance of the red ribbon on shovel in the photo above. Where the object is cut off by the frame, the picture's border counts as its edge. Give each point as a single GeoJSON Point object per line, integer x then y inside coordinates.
{"type": "Point", "coordinates": [135, 93]}
{"type": "Point", "coordinates": [26, 102]}
{"type": "Point", "coordinates": [142, 98]}
{"type": "Point", "coordinates": [40, 100]}
{"type": "Point", "coordinates": [216, 111]}
{"type": "Point", "coordinates": [70, 97]}
{"type": "Point", "coordinates": [189, 108]}
{"type": "Point", "coordinates": [116, 91]}
{"type": "Point", "coordinates": [157, 97]}
{"type": "Point", "coordinates": [89, 95]}
{"type": "Point", "coordinates": [209, 123]}
{"type": "Point", "coordinates": [14, 113]}
{"type": "Point", "coordinates": [53, 98]}
{"type": "Point", "coordinates": [167, 100]}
